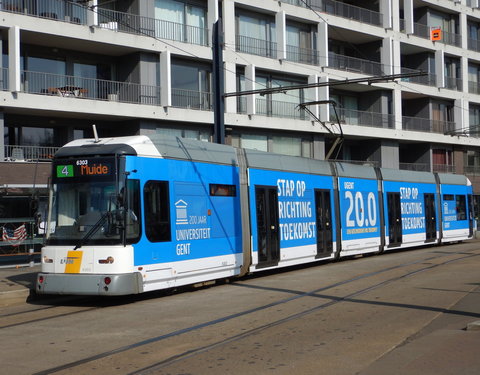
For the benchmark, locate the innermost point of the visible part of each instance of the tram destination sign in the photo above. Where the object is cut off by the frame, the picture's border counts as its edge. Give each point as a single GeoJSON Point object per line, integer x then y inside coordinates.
{"type": "Point", "coordinates": [83, 169]}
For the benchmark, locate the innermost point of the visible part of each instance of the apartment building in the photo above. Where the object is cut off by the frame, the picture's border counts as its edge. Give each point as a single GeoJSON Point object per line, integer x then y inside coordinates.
{"type": "Point", "coordinates": [145, 66]}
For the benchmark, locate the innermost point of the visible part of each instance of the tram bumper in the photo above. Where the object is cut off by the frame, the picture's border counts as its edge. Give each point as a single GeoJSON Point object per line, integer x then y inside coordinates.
{"type": "Point", "coordinates": [88, 284]}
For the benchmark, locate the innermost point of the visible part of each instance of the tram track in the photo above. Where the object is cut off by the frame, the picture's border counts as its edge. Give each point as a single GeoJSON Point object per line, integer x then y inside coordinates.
{"type": "Point", "coordinates": [427, 262]}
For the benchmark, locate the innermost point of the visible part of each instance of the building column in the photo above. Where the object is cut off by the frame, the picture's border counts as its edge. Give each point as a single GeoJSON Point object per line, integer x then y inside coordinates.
{"type": "Point", "coordinates": [397, 108]}
{"type": "Point", "coordinates": [408, 16]}
{"type": "Point", "coordinates": [439, 65]}
{"type": "Point", "coordinates": [464, 30]}
{"type": "Point", "coordinates": [460, 113]}
{"type": "Point", "coordinates": [396, 15]}
{"type": "Point", "coordinates": [165, 79]}
{"type": "Point", "coordinates": [92, 14]}
{"type": "Point", "coordinates": [464, 73]}
{"type": "Point", "coordinates": [312, 95]}
{"type": "Point", "coordinates": [14, 59]}
{"type": "Point", "coordinates": [281, 31]}
{"type": "Point", "coordinates": [324, 94]}
{"type": "Point", "coordinates": [250, 85]}
{"type": "Point", "coordinates": [390, 154]}
{"type": "Point", "coordinates": [322, 43]}
{"type": "Point", "coordinates": [230, 86]}
{"type": "Point", "coordinates": [2, 131]}
{"type": "Point", "coordinates": [212, 17]}
{"type": "Point", "coordinates": [386, 11]}
{"type": "Point", "coordinates": [387, 56]}
{"type": "Point", "coordinates": [228, 9]}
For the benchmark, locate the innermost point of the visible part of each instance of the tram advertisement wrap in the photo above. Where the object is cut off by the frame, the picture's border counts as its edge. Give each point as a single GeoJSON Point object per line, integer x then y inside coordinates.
{"type": "Point", "coordinates": [296, 204]}
{"type": "Point", "coordinates": [412, 204]}
{"type": "Point", "coordinates": [359, 208]}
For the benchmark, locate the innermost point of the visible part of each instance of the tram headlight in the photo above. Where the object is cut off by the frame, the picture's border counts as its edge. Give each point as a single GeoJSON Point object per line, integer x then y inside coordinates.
{"type": "Point", "coordinates": [108, 260]}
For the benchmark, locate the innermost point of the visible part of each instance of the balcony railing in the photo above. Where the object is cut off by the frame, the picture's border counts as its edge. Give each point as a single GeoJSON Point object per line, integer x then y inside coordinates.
{"type": "Point", "coordinates": [428, 79]}
{"type": "Point", "coordinates": [427, 125]}
{"type": "Point", "coordinates": [423, 31]}
{"type": "Point", "coordinates": [302, 55]}
{"type": "Point", "coordinates": [276, 108]}
{"type": "Point", "coordinates": [453, 83]}
{"type": "Point", "coordinates": [473, 87]}
{"type": "Point", "coordinates": [255, 46]}
{"type": "Point", "coordinates": [472, 170]}
{"type": "Point", "coordinates": [353, 64]}
{"type": "Point", "coordinates": [473, 44]}
{"type": "Point", "coordinates": [29, 153]}
{"type": "Point", "coordinates": [192, 99]}
{"type": "Point", "coordinates": [363, 118]}
{"type": "Point", "coordinates": [59, 10]}
{"type": "Point", "coordinates": [419, 167]}
{"type": "Point", "coordinates": [135, 24]}
{"type": "Point", "coordinates": [443, 168]}
{"type": "Point", "coordinates": [340, 9]}
{"type": "Point", "coordinates": [67, 11]}
{"type": "Point", "coordinates": [89, 88]}
{"type": "Point", "coordinates": [4, 79]}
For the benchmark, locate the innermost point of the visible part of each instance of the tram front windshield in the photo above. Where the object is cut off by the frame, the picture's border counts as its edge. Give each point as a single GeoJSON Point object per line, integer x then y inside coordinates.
{"type": "Point", "coordinates": [89, 206]}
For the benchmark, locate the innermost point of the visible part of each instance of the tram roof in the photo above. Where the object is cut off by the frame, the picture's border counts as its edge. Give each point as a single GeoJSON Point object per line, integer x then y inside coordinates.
{"type": "Point", "coordinates": [453, 179]}
{"type": "Point", "coordinates": [407, 176]}
{"type": "Point", "coordinates": [268, 160]}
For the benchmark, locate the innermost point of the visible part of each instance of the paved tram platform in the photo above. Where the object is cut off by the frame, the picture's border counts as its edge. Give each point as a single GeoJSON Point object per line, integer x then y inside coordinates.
{"type": "Point", "coordinates": [450, 344]}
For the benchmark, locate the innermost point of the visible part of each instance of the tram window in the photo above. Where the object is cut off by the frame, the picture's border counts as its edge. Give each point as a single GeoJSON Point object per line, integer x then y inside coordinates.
{"type": "Point", "coordinates": [448, 197]}
{"type": "Point", "coordinates": [461, 207]}
{"type": "Point", "coordinates": [157, 211]}
{"type": "Point", "coordinates": [223, 190]}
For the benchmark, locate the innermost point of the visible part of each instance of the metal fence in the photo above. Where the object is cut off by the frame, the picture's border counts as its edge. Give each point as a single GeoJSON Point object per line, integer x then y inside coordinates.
{"type": "Point", "coordinates": [363, 118]}
{"type": "Point", "coordinates": [340, 9]}
{"type": "Point", "coordinates": [353, 64]}
{"type": "Point", "coordinates": [427, 79]}
{"type": "Point", "coordinates": [427, 125]}
{"type": "Point", "coordinates": [29, 153]}
{"type": "Point", "coordinates": [4, 79]}
{"type": "Point", "coordinates": [276, 108]}
{"type": "Point", "coordinates": [140, 25]}
{"type": "Point", "coordinates": [473, 44]}
{"type": "Point", "coordinates": [302, 55]}
{"type": "Point", "coordinates": [60, 10]}
{"type": "Point", "coordinates": [453, 83]}
{"type": "Point", "coordinates": [89, 88]}
{"type": "Point", "coordinates": [255, 46]}
{"type": "Point", "coordinates": [473, 87]}
{"type": "Point", "coordinates": [192, 99]}
{"type": "Point", "coordinates": [419, 167]}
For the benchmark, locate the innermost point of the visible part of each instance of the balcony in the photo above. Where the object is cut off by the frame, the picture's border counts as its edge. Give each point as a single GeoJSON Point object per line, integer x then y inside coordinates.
{"type": "Point", "coordinates": [363, 118]}
{"type": "Point", "coordinates": [340, 9]}
{"type": "Point", "coordinates": [472, 170]}
{"type": "Point", "coordinates": [353, 64]}
{"type": "Point", "coordinates": [419, 167]}
{"type": "Point", "coordinates": [89, 88]}
{"type": "Point", "coordinates": [276, 108]}
{"type": "Point", "coordinates": [428, 79]}
{"type": "Point", "coordinates": [473, 87]}
{"type": "Point", "coordinates": [302, 55]}
{"type": "Point", "coordinates": [423, 31]}
{"type": "Point", "coordinates": [453, 83]}
{"type": "Point", "coordinates": [473, 44]}
{"type": "Point", "coordinates": [426, 125]}
{"type": "Point", "coordinates": [192, 99]}
{"type": "Point", "coordinates": [253, 46]}
{"type": "Point", "coordinates": [15, 153]}
{"type": "Point", "coordinates": [66, 11]}
{"type": "Point", "coordinates": [4, 79]}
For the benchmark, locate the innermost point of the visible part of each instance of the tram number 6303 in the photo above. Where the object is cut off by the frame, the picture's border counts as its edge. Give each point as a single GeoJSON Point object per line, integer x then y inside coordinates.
{"type": "Point", "coordinates": [357, 204]}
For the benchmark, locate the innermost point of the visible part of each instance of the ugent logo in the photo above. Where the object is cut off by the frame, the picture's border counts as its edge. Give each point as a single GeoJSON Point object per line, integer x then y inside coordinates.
{"type": "Point", "coordinates": [68, 260]}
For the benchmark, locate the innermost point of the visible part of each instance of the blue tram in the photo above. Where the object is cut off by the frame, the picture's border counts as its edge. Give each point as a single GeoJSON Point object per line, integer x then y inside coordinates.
{"type": "Point", "coordinates": [134, 214]}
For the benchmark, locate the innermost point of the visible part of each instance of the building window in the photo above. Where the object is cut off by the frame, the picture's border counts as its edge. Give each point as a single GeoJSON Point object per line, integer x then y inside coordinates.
{"type": "Point", "coordinates": [191, 86]}
{"type": "Point", "coordinates": [279, 144]}
{"type": "Point", "coordinates": [199, 135]}
{"type": "Point", "coordinates": [256, 35]}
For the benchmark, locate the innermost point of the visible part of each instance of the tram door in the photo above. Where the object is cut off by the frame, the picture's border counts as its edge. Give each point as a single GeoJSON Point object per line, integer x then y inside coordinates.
{"type": "Point", "coordinates": [394, 218]}
{"type": "Point", "coordinates": [470, 215]}
{"type": "Point", "coordinates": [266, 198]}
{"type": "Point", "coordinates": [324, 223]}
{"type": "Point", "coordinates": [430, 217]}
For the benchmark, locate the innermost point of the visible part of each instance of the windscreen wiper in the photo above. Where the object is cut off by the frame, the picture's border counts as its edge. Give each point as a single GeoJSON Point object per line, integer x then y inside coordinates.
{"type": "Point", "coordinates": [92, 230]}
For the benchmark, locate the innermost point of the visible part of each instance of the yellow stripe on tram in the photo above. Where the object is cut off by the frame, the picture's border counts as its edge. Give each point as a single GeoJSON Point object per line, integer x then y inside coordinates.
{"type": "Point", "coordinates": [74, 261]}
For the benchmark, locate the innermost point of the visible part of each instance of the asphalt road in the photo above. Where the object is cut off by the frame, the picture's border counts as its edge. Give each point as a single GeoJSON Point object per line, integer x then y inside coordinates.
{"type": "Point", "coordinates": [398, 313]}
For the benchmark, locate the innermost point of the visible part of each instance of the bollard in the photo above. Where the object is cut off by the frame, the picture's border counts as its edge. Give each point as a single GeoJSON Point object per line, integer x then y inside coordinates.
{"type": "Point", "coordinates": [31, 257]}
